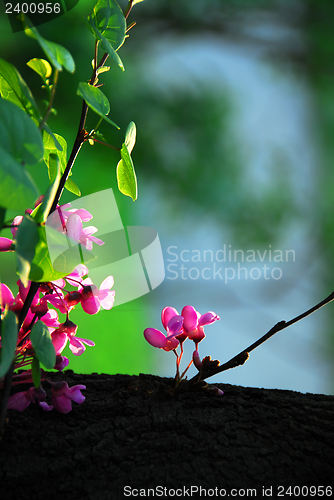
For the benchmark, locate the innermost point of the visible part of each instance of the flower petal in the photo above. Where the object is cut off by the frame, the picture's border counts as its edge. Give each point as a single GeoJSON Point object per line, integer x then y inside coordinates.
{"type": "Point", "coordinates": [155, 337]}
{"type": "Point", "coordinates": [108, 301]}
{"type": "Point", "coordinates": [75, 394]}
{"type": "Point", "coordinates": [190, 318]}
{"type": "Point", "coordinates": [91, 305]}
{"type": "Point", "coordinates": [18, 401]}
{"type": "Point", "coordinates": [6, 296]}
{"type": "Point", "coordinates": [59, 341]}
{"type": "Point", "coordinates": [174, 325]}
{"type": "Point", "coordinates": [107, 283]}
{"type": "Point", "coordinates": [208, 318]}
{"type": "Point", "coordinates": [167, 314]}
{"type": "Point", "coordinates": [74, 227]}
{"type": "Point", "coordinates": [76, 347]}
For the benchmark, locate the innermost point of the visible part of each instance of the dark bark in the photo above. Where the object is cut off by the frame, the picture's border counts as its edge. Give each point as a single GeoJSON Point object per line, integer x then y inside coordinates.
{"type": "Point", "coordinates": [128, 432]}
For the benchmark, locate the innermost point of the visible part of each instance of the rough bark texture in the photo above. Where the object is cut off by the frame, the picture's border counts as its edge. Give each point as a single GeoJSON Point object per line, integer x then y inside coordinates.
{"type": "Point", "coordinates": [129, 433]}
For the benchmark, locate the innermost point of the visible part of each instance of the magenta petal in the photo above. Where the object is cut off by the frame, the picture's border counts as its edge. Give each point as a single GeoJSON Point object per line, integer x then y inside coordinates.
{"type": "Point", "coordinates": [91, 305]}
{"type": "Point", "coordinates": [18, 401]}
{"type": "Point", "coordinates": [208, 318]}
{"type": "Point", "coordinates": [75, 394]}
{"type": "Point", "coordinates": [171, 344]}
{"type": "Point", "coordinates": [155, 337]}
{"type": "Point", "coordinates": [167, 314]}
{"type": "Point", "coordinates": [5, 244]}
{"type": "Point", "coordinates": [197, 360]}
{"type": "Point", "coordinates": [82, 213]}
{"type": "Point", "coordinates": [190, 318]}
{"type": "Point", "coordinates": [59, 340]}
{"type": "Point", "coordinates": [45, 406]}
{"type": "Point", "coordinates": [62, 404]}
{"type": "Point", "coordinates": [87, 341]}
{"type": "Point", "coordinates": [107, 283]}
{"type": "Point", "coordinates": [74, 227]}
{"type": "Point", "coordinates": [108, 301]}
{"type": "Point", "coordinates": [76, 346]}
{"type": "Point", "coordinates": [89, 230]}
{"type": "Point", "coordinates": [97, 240]}
{"type": "Point", "coordinates": [174, 325]}
{"type": "Point", "coordinates": [6, 296]}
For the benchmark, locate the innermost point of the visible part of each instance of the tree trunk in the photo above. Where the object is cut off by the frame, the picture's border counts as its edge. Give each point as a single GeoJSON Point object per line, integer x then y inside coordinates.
{"type": "Point", "coordinates": [129, 436]}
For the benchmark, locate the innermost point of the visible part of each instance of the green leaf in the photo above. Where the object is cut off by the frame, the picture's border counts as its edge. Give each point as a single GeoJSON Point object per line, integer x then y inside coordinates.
{"type": "Point", "coordinates": [47, 129]}
{"type": "Point", "coordinates": [50, 194]}
{"type": "Point", "coordinates": [126, 176]}
{"type": "Point", "coordinates": [136, 1]}
{"type": "Point", "coordinates": [36, 372]}
{"type": "Point", "coordinates": [51, 148]}
{"type": "Point", "coordinates": [130, 137]}
{"type": "Point", "coordinates": [41, 67]}
{"type": "Point", "coordinates": [19, 135]}
{"type": "Point", "coordinates": [106, 45]}
{"type": "Point", "coordinates": [109, 20]}
{"type": "Point", "coordinates": [58, 56]}
{"type": "Point", "coordinates": [41, 266]}
{"type": "Point", "coordinates": [96, 100]}
{"type": "Point", "coordinates": [72, 187]}
{"type": "Point", "coordinates": [26, 240]}
{"type": "Point", "coordinates": [17, 189]}
{"type": "Point", "coordinates": [2, 216]}
{"type": "Point", "coordinates": [41, 341]}
{"type": "Point", "coordinates": [9, 335]}
{"type": "Point", "coordinates": [14, 89]}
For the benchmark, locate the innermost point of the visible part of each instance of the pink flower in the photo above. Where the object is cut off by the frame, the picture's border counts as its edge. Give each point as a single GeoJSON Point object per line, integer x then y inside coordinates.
{"type": "Point", "coordinates": [16, 222]}
{"type": "Point", "coordinates": [92, 298]}
{"type": "Point", "coordinates": [172, 323]}
{"type": "Point", "coordinates": [81, 235]}
{"type": "Point", "coordinates": [197, 360]}
{"type": "Point", "coordinates": [6, 245]}
{"type": "Point", "coordinates": [61, 362]}
{"type": "Point", "coordinates": [77, 274]}
{"type": "Point", "coordinates": [62, 395]}
{"type": "Point", "coordinates": [194, 323]}
{"type": "Point", "coordinates": [21, 400]}
{"type": "Point", "coordinates": [6, 296]}
{"type": "Point", "coordinates": [66, 331]}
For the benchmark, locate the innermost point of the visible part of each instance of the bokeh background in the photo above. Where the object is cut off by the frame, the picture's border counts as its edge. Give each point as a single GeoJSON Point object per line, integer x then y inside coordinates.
{"type": "Point", "coordinates": [234, 106]}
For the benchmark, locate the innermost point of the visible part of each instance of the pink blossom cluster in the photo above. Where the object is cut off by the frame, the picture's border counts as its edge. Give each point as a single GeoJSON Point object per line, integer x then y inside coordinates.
{"type": "Point", "coordinates": [179, 327]}
{"type": "Point", "coordinates": [51, 300]}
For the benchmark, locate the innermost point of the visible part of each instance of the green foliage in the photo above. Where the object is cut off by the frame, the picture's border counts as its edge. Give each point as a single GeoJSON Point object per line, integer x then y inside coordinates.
{"type": "Point", "coordinates": [26, 240]}
{"type": "Point", "coordinates": [96, 100]}
{"type": "Point", "coordinates": [58, 56]}
{"type": "Point", "coordinates": [36, 372]}
{"type": "Point", "coordinates": [125, 172]}
{"type": "Point", "coordinates": [20, 143]}
{"type": "Point", "coordinates": [41, 67]}
{"type": "Point", "coordinates": [51, 149]}
{"type": "Point", "coordinates": [108, 25]}
{"type": "Point", "coordinates": [44, 209]}
{"type": "Point", "coordinates": [19, 136]}
{"type": "Point", "coordinates": [14, 89]}
{"type": "Point", "coordinates": [9, 336]}
{"type": "Point", "coordinates": [41, 341]}
{"type": "Point", "coordinates": [41, 266]}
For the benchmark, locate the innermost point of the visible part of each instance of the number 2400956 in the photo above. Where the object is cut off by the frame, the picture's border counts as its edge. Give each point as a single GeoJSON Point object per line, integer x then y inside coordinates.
{"type": "Point", "coordinates": [33, 8]}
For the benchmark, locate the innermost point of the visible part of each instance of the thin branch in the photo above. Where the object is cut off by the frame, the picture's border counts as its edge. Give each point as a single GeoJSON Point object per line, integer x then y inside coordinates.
{"type": "Point", "coordinates": [242, 357]}
{"type": "Point", "coordinates": [54, 87]}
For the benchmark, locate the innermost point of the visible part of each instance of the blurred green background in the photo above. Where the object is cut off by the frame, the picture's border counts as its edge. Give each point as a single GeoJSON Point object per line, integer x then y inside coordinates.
{"type": "Point", "coordinates": [233, 102]}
